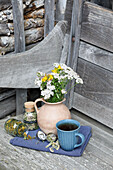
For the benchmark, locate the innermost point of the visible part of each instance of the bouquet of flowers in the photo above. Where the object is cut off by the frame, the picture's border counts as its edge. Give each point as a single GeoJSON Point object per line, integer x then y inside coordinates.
{"type": "Point", "coordinates": [53, 85]}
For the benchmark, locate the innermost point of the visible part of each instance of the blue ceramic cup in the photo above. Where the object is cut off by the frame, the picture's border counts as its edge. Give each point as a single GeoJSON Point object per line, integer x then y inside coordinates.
{"type": "Point", "coordinates": [68, 134]}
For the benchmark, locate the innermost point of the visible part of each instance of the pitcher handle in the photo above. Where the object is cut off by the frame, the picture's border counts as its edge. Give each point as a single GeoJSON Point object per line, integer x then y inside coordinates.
{"type": "Point", "coordinates": [37, 100]}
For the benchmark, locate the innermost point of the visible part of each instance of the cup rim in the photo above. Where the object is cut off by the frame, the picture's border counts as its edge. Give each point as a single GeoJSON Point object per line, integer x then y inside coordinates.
{"type": "Point", "coordinates": [69, 120]}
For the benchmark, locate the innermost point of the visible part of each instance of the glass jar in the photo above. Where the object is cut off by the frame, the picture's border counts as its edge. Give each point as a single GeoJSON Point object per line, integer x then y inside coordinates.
{"type": "Point", "coordinates": [12, 126]}
{"type": "Point", "coordinates": [30, 116]}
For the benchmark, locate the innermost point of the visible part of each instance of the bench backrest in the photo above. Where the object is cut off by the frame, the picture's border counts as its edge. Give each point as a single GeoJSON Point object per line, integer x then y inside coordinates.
{"type": "Point", "coordinates": [94, 63]}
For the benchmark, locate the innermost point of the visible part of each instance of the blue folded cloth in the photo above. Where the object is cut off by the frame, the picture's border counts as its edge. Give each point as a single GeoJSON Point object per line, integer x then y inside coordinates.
{"type": "Point", "coordinates": [40, 146]}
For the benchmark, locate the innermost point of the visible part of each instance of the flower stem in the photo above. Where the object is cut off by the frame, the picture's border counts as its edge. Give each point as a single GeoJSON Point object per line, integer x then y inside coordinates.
{"type": "Point", "coordinates": [71, 87]}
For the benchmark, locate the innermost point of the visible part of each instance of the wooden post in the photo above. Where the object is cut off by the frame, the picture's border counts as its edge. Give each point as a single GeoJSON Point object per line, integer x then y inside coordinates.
{"type": "Point", "coordinates": [60, 10]}
{"type": "Point", "coordinates": [21, 95]}
{"type": "Point", "coordinates": [74, 46]}
{"type": "Point", "coordinates": [49, 16]}
{"type": "Point", "coordinates": [68, 13]}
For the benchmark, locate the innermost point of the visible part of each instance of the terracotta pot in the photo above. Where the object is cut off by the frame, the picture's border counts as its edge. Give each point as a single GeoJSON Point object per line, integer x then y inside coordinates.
{"type": "Point", "coordinates": [49, 114]}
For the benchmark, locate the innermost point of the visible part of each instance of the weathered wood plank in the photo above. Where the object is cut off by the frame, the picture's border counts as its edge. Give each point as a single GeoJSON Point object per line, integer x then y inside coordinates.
{"type": "Point", "coordinates": [96, 55]}
{"type": "Point", "coordinates": [98, 83]}
{"type": "Point", "coordinates": [93, 109]}
{"type": "Point", "coordinates": [68, 13]}
{"type": "Point", "coordinates": [6, 94]}
{"type": "Point", "coordinates": [94, 149]}
{"type": "Point", "coordinates": [49, 16]}
{"type": "Point", "coordinates": [7, 102]}
{"type": "Point", "coordinates": [19, 36]}
{"type": "Point", "coordinates": [74, 46]}
{"type": "Point", "coordinates": [18, 25]}
{"type": "Point", "coordinates": [41, 57]}
{"type": "Point", "coordinates": [21, 98]}
{"type": "Point", "coordinates": [18, 157]}
{"type": "Point", "coordinates": [60, 10]}
{"type": "Point", "coordinates": [7, 106]}
{"type": "Point", "coordinates": [97, 26]}
{"type": "Point", "coordinates": [65, 49]}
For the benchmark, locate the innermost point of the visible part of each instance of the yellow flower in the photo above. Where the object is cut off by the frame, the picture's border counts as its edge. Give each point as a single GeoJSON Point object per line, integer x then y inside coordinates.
{"type": "Point", "coordinates": [44, 78]}
{"type": "Point", "coordinates": [25, 134]}
{"type": "Point", "coordinates": [59, 67]}
{"type": "Point", "coordinates": [50, 77]}
{"type": "Point", "coordinates": [29, 137]}
{"type": "Point", "coordinates": [55, 70]}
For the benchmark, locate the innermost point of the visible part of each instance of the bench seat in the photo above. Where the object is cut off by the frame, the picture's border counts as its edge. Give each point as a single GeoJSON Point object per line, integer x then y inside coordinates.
{"type": "Point", "coordinates": [98, 154]}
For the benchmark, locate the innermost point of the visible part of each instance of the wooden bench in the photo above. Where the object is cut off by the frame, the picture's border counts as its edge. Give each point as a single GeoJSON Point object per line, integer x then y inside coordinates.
{"type": "Point", "coordinates": [90, 53]}
{"type": "Point", "coordinates": [98, 154]}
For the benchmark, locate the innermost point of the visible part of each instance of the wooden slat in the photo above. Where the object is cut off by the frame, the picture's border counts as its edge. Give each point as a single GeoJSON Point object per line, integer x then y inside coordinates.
{"type": "Point", "coordinates": [7, 106]}
{"type": "Point", "coordinates": [7, 102]}
{"type": "Point", "coordinates": [97, 26]}
{"type": "Point", "coordinates": [96, 55]}
{"type": "Point", "coordinates": [60, 10]}
{"type": "Point", "coordinates": [6, 94]}
{"type": "Point", "coordinates": [99, 142]}
{"type": "Point", "coordinates": [98, 83]}
{"type": "Point", "coordinates": [94, 156]}
{"type": "Point", "coordinates": [21, 95]}
{"type": "Point", "coordinates": [64, 54]}
{"type": "Point", "coordinates": [93, 109]}
{"type": "Point", "coordinates": [15, 70]}
{"type": "Point", "coordinates": [74, 47]}
{"type": "Point", "coordinates": [68, 13]}
{"type": "Point", "coordinates": [49, 16]}
{"type": "Point", "coordinates": [18, 25]}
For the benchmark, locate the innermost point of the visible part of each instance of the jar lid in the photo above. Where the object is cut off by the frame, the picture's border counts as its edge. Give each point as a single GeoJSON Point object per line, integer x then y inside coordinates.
{"type": "Point", "coordinates": [29, 104]}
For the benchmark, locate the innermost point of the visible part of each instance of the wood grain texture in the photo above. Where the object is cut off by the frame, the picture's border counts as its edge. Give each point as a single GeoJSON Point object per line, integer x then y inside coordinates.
{"type": "Point", "coordinates": [19, 36]}
{"type": "Point", "coordinates": [65, 49]}
{"type": "Point", "coordinates": [18, 25]}
{"type": "Point", "coordinates": [49, 16]}
{"type": "Point", "coordinates": [94, 98]}
{"type": "Point", "coordinates": [93, 109]}
{"type": "Point", "coordinates": [21, 98]}
{"type": "Point", "coordinates": [74, 46]}
{"type": "Point", "coordinates": [101, 137]}
{"type": "Point", "coordinates": [39, 13]}
{"type": "Point", "coordinates": [5, 93]}
{"type": "Point", "coordinates": [28, 23]}
{"type": "Point", "coordinates": [96, 55]}
{"type": "Point", "coordinates": [98, 83]}
{"type": "Point", "coordinates": [60, 10]}
{"type": "Point", "coordinates": [68, 13]}
{"type": "Point", "coordinates": [97, 155]}
{"type": "Point", "coordinates": [7, 106]}
{"type": "Point", "coordinates": [15, 70]}
{"type": "Point", "coordinates": [97, 26]}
